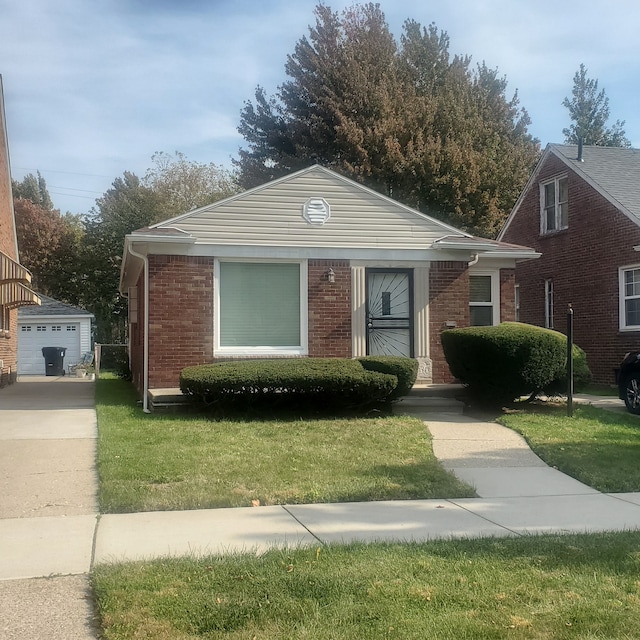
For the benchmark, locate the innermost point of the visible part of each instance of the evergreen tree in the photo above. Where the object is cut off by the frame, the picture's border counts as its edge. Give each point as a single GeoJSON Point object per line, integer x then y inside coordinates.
{"type": "Point", "coordinates": [589, 111]}
{"type": "Point", "coordinates": [33, 188]}
{"type": "Point", "coordinates": [404, 118]}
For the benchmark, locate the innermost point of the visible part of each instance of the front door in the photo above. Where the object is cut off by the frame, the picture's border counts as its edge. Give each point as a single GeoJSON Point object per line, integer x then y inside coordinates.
{"type": "Point", "coordinates": [389, 312]}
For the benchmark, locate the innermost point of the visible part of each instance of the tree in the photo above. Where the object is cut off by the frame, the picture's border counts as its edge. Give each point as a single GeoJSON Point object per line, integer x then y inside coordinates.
{"type": "Point", "coordinates": [183, 185]}
{"type": "Point", "coordinates": [404, 118]}
{"type": "Point", "coordinates": [34, 189]}
{"type": "Point", "coordinates": [589, 111]}
{"type": "Point", "coordinates": [127, 206]}
{"type": "Point", "coordinates": [49, 246]}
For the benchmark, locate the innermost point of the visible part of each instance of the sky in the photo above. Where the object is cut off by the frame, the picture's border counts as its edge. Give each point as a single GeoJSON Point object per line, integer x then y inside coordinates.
{"type": "Point", "coordinates": [93, 88]}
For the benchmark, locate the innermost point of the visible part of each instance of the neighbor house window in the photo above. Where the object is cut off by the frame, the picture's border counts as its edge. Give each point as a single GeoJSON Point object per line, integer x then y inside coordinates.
{"type": "Point", "coordinates": [516, 294]}
{"type": "Point", "coordinates": [261, 308]}
{"type": "Point", "coordinates": [554, 205]}
{"type": "Point", "coordinates": [629, 285]}
{"type": "Point", "coordinates": [484, 299]}
{"type": "Point", "coordinates": [548, 304]}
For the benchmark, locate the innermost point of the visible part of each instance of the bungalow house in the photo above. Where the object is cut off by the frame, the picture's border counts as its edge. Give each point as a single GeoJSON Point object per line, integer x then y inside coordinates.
{"type": "Point", "coordinates": [581, 211]}
{"type": "Point", "coordinates": [14, 278]}
{"type": "Point", "coordinates": [312, 264]}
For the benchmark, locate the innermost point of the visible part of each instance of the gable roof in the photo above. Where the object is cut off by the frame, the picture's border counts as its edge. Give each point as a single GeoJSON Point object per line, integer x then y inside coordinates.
{"type": "Point", "coordinates": [272, 214]}
{"type": "Point", "coordinates": [313, 213]}
{"type": "Point", "coordinates": [614, 172]}
{"type": "Point", "coordinates": [51, 307]}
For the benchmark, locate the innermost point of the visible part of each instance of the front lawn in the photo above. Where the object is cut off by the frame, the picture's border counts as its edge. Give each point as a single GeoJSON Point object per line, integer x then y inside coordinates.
{"type": "Point", "coordinates": [560, 587]}
{"type": "Point", "coordinates": [597, 447]}
{"type": "Point", "coordinates": [174, 462]}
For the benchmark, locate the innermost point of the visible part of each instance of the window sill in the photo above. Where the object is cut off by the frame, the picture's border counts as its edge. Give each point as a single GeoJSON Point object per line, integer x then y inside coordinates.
{"type": "Point", "coordinates": [553, 234]}
{"type": "Point", "coordinates": [249, 352]}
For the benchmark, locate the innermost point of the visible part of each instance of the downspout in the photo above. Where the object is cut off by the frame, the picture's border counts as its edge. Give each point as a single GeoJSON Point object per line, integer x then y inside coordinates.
{"type": "Point", "coordinates": [474, 259]}
{"type": "Point", "coordinates": [145, 348]}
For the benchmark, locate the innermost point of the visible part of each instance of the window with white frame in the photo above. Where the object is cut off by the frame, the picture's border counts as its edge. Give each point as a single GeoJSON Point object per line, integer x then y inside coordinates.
{"type": "Point", "coordinates": [261, 308]}
{"type": "Point", "coordinates": [548, 304]}
{"type": "Point", "coordinates": [629, 295]}
{"type": "Point", "coordinates": [516, 299]}
{"type": "Point", "coordinates": [554, 204]}
{"type": "Point", "coordinates": [484, 299]}
{"type": "Point", "coordinates": [4, 319]}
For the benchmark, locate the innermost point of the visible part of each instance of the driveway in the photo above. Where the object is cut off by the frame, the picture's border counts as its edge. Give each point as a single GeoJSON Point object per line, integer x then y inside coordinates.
{"type": "Point", "coordinates": [48, 503]}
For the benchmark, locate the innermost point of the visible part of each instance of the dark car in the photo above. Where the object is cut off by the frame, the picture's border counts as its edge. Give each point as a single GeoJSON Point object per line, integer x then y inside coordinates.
{"type": "Point", "coordinates": [629, 381]}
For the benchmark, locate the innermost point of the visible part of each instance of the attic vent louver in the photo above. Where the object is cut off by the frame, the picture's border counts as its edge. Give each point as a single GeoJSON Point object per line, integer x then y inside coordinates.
{"type": "Point", "coordinates": [316, 211]}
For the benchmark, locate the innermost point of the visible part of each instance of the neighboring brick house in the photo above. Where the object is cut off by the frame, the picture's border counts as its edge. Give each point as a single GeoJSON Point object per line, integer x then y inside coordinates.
{"type": "Point", "coordinates": [312, 264]}
{"type": "Point", "coordinates": [581, 211]}
{"type": "Point", "coordinates": [13, 277]}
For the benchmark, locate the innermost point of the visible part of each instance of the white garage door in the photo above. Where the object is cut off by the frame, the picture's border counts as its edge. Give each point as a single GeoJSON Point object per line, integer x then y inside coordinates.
{"type": "Point", "coordinates": [32, 337]}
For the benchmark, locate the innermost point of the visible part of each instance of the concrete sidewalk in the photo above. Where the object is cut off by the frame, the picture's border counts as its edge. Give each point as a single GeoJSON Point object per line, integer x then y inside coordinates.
{"type": "Point", "coordinates": [49, 524]}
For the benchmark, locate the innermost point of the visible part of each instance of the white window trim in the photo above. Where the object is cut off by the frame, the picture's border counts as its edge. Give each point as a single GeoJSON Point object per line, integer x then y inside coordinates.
{"type": "Point", "coordinates": [622, 298]}
{"type": "Point", "coordinates": [495, 294]}
{"type": "Point", "coordinates": [543, 217]}
{"type": "Point", "coordinates": [301, 350]}
{"type": "Point", "coordinates": [516, 302]}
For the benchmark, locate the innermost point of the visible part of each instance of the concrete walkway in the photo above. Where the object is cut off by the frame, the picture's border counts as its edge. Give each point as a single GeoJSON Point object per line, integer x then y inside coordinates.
{"type": "Point", "coordinates": [51, 534]}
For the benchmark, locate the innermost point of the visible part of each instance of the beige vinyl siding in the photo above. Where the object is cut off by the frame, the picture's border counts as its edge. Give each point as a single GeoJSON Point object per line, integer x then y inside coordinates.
{"type": "Point", "coordinates": [272, 216]}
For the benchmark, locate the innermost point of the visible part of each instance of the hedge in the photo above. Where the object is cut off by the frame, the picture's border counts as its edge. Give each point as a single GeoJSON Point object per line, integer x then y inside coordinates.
{"type": "Point", "coordinates": [502, 363]}
{"type": "Point", "coordinates": [311, 384]}
{"type": "Point", "coordinates": [405, 369]}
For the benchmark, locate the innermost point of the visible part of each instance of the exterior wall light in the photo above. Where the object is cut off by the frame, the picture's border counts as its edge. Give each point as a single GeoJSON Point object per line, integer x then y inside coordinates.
{"type": "Point", "coordinates": [331, 276]}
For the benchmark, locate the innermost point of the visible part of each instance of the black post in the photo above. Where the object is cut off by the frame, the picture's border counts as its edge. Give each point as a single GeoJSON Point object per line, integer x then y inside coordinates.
{"type": "Point", "coordinates": [570, 362]}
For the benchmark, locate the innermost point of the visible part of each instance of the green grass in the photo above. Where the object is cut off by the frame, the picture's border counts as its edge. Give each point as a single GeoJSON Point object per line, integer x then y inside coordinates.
{"type": "Point", "coordinates": [598, 447]}
{"type": "Point", "coordinates": [174, 462]}
{"type": "Point", "coordinates": [547, 587]}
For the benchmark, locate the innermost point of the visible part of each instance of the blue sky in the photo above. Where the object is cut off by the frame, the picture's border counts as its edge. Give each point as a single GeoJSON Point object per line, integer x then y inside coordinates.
{"type": "Point", "coordinates": [94, 87]}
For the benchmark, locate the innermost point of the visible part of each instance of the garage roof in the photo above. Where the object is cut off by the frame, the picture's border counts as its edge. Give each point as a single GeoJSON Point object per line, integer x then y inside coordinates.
{"type": "Point", "coordinates": [51, 307]}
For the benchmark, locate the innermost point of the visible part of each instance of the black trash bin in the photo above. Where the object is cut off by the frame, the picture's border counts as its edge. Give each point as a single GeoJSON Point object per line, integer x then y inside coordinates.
{"type": "Point", "coordinates": [54, 360]}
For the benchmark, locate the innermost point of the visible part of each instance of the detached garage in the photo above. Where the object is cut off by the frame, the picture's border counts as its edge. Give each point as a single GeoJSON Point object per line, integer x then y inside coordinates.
{"type": "Point", "coordinates": [53, 324]}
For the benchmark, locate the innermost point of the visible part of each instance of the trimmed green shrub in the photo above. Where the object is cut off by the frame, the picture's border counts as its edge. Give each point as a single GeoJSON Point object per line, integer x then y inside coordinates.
{"type": "Point", "coordinates": [405, 369]}
{"type": "Point", "coordinates": [501, 363]}
{"type": "Point", "coordinates": [581, 374]}
{"type": "Point", "coordinates": [304, 384]}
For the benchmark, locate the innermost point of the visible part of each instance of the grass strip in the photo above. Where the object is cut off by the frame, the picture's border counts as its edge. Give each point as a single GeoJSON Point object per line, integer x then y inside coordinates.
{"type": "Point", "coordinates": [186, 461]}
{"type": "Point", "coordinates": [597, 447]}
{"type": "Point", "coordinates": [561, 587]}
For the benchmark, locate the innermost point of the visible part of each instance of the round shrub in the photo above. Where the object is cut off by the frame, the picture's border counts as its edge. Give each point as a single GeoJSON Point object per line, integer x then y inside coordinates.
{"type": "Point", "coordinates": [501, 363]}
{"type": "Point", "coordinates": [405, 369]}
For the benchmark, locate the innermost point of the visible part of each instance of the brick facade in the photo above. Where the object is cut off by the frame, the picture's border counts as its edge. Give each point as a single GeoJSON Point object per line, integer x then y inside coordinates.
{"type": "Point", "coordinates": [329, 309]}
{"type": "Point", "coordinates": [181, 313]}
{"type": "Point", "coordinates": [582, 261]}
{"type": "Point", "coordinates": [180, 316]}
{"type": "Point", "coordinates": [448, 305]}
{"type": "Point", "coordinates": [8, 343]}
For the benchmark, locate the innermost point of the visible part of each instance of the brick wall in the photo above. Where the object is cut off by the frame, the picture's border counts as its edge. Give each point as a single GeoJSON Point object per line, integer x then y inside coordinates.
{"type": "Point", "coordinates": [8, 346]}
{"type": "Point", "coordinates": [448, 302]}
{"type": "Point", "coordinates": [507, 295]}
{"type": "Point", "coordinates": [180, 316]}
{"type": "Point", "coordinates": [583, 263]}
{"type": "Point", "coordinates": [329, 309]}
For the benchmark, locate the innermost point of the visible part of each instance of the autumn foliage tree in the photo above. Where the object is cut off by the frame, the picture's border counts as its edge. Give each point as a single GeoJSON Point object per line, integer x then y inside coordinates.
{"type": "Point", "coordinates": [183, 185]}
{"type": "Point", "coordinates": [405, 118]}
